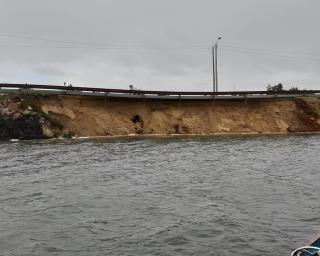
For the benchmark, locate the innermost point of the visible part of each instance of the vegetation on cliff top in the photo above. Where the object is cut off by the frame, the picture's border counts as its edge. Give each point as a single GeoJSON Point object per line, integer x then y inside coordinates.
{"type": "Point", "coordinates": [279, 88]}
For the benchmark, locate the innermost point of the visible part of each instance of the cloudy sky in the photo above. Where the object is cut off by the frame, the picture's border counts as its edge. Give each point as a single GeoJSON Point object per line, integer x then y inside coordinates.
{"type": "Point", "coordinates": [161, 45]}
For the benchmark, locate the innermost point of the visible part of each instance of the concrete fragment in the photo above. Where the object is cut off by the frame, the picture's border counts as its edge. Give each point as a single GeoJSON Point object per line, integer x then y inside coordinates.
{"type": "Point", "coordinates": [26, 112]}
{"type": "Point", "coordinates": [6, 112]}
{"type": "Point", "coordinates": [16, 115]}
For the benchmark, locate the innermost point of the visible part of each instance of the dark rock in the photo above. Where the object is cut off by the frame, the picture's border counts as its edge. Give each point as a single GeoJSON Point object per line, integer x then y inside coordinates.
{"type": "Point", "coordinates": [24, 128]}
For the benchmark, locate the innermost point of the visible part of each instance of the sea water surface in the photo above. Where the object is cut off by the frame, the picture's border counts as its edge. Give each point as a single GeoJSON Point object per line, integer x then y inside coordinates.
{"type": "Point", "coordinates": [159, 196]}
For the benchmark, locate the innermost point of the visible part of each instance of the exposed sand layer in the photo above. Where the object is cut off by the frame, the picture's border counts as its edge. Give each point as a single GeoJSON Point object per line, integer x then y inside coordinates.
{"type": "Point", "coordinates": [94, 116]}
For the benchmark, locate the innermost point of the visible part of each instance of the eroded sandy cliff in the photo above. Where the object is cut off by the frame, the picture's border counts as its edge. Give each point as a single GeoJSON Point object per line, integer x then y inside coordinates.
{"type": "Point", "coordinates": [21, 116]}
{"type": "Point", "coordinates": [84, 116]}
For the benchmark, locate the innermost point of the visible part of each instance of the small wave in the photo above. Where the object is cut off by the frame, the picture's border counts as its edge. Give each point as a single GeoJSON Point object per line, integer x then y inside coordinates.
{"type": "Point", "coordinates": [177, 240]}
{"type": "Point", "coordinates": [312, 219]}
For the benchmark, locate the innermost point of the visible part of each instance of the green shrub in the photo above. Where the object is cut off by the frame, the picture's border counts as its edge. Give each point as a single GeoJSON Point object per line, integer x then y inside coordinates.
{"type": "Point", "coordinates": [275, 88]}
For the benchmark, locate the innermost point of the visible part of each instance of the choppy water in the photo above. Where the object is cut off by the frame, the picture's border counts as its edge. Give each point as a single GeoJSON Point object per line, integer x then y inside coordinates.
{"type": "Point", "coordinates": [162, 196]}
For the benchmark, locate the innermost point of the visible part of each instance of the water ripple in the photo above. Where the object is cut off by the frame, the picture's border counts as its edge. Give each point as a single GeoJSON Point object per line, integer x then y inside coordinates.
{"type": "Point", "coordinates": [159, 196]}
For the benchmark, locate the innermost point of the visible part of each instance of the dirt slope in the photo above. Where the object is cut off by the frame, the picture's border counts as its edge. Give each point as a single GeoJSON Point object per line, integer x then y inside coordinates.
{"type": "Point", "coordinates": [86, 116]}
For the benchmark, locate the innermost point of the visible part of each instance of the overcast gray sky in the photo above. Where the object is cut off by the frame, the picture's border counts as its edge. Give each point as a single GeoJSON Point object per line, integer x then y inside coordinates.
{"type": "Point", "coordinates": [161, 45]}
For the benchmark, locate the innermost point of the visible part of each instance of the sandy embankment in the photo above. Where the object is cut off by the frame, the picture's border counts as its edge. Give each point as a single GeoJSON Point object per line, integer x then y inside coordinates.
{"type": "Point", "coordinates": [89, 116]}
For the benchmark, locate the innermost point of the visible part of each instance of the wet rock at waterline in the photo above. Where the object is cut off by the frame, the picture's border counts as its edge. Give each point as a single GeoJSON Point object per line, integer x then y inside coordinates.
{"type": "Point", "coordinates": [23, 128]}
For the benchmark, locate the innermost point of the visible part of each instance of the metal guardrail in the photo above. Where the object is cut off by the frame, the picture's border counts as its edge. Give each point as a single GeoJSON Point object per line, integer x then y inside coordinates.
{"type": "Point", "coordinates": [114, 92]}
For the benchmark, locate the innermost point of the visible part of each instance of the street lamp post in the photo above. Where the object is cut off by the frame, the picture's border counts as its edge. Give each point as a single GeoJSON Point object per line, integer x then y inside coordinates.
{"type": "Point", "coordinates": [215, 64]}
{"type": "Point", "coordinates": [213, 69]}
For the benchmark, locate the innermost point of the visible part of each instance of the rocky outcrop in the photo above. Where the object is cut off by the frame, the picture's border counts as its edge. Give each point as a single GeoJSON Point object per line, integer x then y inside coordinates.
{"type": "Point", "coordinates": [19, 119]}
{"type": "Point", "coordinates": [24, 128]}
